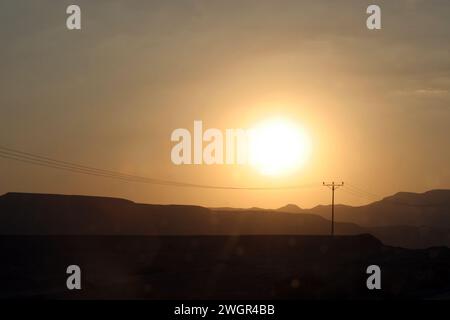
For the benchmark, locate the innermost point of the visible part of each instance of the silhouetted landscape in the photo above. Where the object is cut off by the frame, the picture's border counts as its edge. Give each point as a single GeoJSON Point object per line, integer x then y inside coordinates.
{"type": "Point", "coordinates": [41, 214]}
{"type": "Point", "coordinates": [131, 250]}
{"type": "Point", "coordinates": [221, 150]}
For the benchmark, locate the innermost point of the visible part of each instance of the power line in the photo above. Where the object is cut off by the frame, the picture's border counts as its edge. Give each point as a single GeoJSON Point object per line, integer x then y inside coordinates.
{"type": "Point", "coordinates": [48, 162]}
{"type": "Point", "coordinates": [55, 164]}
{"type": "Point", "coordinates": [358, 194]}
{"type": "Point", "coordinates": [65, 163]}
{"type": "Point", "coordinates": [44, 161]}
{"type": "Point", "coordinates": [364, 192]}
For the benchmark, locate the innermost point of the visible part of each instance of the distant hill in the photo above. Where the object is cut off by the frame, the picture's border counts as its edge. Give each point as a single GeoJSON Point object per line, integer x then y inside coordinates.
{"type": "Point", "coordinates": [44, 214]}
{"type": "Point", "coordinates": [428, 209]}
{"type": "Point", "coordinates": [22, 213]}
{"type": "Point", "coordinates": [291, 208]}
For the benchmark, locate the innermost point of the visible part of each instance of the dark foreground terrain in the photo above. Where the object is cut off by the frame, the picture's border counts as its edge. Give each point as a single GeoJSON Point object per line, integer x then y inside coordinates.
{"type": "Point", "coordinates": [213, 267]}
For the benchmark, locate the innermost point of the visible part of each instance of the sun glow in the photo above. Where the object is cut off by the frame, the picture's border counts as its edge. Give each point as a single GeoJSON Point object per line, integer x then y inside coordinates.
{"type": "Point", "coordinates": [278, 147]}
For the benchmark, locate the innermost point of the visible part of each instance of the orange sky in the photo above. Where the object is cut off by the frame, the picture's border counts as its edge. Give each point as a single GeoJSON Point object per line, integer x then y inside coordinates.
{"type": "Point", "coordinates": [376, 104]}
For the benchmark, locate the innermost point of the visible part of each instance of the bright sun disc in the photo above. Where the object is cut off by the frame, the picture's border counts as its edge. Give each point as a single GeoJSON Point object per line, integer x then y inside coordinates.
{"type": "Point", "coordinates": [278, 147]}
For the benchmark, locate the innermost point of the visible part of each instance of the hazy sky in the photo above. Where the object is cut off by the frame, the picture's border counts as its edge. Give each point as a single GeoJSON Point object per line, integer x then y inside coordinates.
{"type": "Point", "coordinates": [376, 103]}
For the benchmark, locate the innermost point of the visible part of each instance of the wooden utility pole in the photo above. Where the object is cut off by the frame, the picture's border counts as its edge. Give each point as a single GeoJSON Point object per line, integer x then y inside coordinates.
{"type": "Point", "coordinates": [333, 186]}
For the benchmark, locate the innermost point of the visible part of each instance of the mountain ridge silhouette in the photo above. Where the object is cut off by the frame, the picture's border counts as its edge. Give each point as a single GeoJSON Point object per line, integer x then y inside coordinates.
{"type": "Point", "coordinates": [47, 214]}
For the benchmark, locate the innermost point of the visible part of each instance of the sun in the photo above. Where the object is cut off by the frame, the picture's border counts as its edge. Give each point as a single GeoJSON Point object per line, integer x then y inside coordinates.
{"type": "Point", "coordinates": [278, 147]}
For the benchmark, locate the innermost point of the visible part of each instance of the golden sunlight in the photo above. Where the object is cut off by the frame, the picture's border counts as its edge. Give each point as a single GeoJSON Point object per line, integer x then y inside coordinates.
{"type": "Point", "coordinates": [278, 147]}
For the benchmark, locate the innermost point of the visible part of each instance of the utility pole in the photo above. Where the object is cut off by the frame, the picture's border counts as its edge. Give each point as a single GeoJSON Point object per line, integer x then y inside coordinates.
{"type": "Point", "coordinates": [333, 186]}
